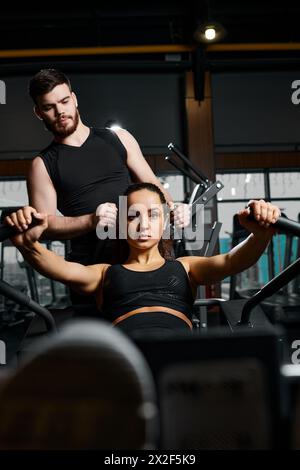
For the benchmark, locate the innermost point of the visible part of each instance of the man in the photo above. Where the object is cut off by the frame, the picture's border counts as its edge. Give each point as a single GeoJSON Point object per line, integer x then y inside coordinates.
{"type": "Point", "coordinates": [81, 173]}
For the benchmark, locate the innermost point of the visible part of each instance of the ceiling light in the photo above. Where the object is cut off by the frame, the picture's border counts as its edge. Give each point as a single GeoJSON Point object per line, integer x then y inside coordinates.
{"type": "Point", "coordinates": [209, 32]}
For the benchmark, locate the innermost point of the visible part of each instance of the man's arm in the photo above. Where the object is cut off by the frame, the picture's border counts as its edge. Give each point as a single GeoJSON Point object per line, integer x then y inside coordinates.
{"type": "Point", "coordinates": [42, 196]}
{"type": "Point", "coordinates": [137, 164]}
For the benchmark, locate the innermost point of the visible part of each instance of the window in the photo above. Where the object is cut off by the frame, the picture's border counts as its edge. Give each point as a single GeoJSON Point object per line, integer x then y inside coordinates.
{"type": "Point", "coordinates": [13, 194]}
{"type": "Point", "coordinates": [174, 184]}
{"type": "Point", "coordinates": [282, 188]}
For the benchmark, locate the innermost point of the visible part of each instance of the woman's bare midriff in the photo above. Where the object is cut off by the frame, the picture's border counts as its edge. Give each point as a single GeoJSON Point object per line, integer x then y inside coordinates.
{"type": "Point", "coordinates": [178, 314]}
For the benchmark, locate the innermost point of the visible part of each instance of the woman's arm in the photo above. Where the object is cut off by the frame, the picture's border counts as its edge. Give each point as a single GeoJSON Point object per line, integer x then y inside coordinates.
{"type": "Point", "coordinates": [85, 279]}
{"type": "Point", "coordinates": [215, 268]}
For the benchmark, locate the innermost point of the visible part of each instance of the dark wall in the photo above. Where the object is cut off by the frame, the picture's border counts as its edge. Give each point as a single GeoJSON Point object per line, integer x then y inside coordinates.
{"type": "Point", "coordinates": [148, 106]}
{"type": "Point", "coordinates": [254, 111]}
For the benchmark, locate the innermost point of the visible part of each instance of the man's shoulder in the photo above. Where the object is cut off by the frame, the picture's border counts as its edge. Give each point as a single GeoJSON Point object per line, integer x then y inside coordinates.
{"type": "Point", "coordinates": [49, 151]}
{"type": "Point", "coordinates": [127, 139]}
{"type": "Point", "coordinates": [104, 134]}
{"type": "Point", "coordinates": [46, 159]}
{"type": "Point", "coordinates": [112, 133]}
{"type": "Point", "coordinates": [114, 138]}
{"type": "Point", "coordinates": [100, 131]}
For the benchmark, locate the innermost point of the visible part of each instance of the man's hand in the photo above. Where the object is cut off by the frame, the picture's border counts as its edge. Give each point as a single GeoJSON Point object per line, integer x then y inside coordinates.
{"type": "Point", "coordinates": [265, 215]}
{"type": "Point", "coordinates": [21, 219]}
{"type": "Point", "coordinates": [106, 215]}
{"type": "Point", "coordinates": [182, 214]}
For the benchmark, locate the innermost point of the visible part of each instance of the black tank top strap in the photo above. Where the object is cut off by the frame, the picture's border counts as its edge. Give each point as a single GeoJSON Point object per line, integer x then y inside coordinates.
{"type": "Point", "coordinates": [49, 157]}
{"type": "Point", "coordinates": [115, 141]}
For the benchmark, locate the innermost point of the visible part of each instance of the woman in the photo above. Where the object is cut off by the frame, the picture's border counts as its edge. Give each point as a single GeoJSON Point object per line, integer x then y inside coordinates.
{"type": "Point", "coordinates": [147, 292]}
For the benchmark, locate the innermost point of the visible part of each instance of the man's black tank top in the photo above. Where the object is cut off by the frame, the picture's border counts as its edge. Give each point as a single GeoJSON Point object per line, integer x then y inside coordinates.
{"type": "Point", "coordinates": [125, 290]}
{"type": "Point", "coordinates": [84, 177]}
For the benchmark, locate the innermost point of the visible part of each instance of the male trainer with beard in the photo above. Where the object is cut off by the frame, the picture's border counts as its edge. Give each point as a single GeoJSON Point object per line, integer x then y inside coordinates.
{"type": "Point", "coordinates": [81, 173]}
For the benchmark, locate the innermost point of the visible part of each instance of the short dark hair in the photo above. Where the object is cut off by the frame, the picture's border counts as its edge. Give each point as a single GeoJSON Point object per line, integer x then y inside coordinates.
{"type": "Point", "coordinates": [44, 82]}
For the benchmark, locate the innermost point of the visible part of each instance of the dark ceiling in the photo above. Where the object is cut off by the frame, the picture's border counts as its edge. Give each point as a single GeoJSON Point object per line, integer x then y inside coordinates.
{"type": "Point", "coordinates": [144, 23]}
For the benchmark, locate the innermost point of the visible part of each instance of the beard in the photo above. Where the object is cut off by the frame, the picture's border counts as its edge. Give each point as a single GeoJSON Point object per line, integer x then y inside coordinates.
{"type": "Point", "coordinates": [61, 130]}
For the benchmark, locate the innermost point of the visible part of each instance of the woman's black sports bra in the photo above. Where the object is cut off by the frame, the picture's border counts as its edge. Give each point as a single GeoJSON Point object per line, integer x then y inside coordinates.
{"type": "Point", "coordinates": [125, 290]}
